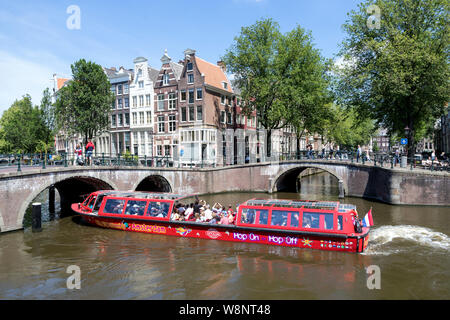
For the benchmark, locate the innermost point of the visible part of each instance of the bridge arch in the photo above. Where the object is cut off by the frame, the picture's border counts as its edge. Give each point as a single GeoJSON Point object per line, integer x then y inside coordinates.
{"type": "Point", "coordinates": [71, 189]}
{"type": "Point", "coordinates": [286, 179]}
{"type": "Point", "coordinates": [154, 183]}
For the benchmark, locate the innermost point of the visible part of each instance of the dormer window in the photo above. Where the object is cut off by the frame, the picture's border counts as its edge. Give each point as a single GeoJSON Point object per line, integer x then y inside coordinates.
{"type": "Point", "coordinates": [225, 85]}
{"type": "Point", "coordinates": [190, 66]}
{"type": "Point", "coordinates": [141, 84]}
{"type": "Point", "coordinates": [140, 72]}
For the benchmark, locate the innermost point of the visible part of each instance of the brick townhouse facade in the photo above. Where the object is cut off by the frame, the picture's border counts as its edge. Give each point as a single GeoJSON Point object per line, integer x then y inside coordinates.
{"type": "Point", "coordinates": [166, 112]}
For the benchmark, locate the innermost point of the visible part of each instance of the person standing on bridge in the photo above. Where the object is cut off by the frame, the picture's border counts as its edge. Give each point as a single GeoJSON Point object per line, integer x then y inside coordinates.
{"type": "Point", "coordinates": [358, 153]}
{"type": "Point", "coordinates": [79, 153]}
{"type": "Point", "coordinates": [89, 150]}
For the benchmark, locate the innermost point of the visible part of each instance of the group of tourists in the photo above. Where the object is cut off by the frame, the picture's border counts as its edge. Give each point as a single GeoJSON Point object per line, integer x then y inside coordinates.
{"type": "Point", "coordinates": [200, 211]}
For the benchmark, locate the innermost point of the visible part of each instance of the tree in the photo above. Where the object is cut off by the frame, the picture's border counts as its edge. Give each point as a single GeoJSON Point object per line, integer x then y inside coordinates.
{"type": "Point", "coordinates": [83, 105]}
{"type": "Point", "coordinates": [305, 86]}
{"type": "Point", "coordinates": [397, 72]}
{"type": "Point", "coordinates": [48, 111]}
{"type": "Point", "coordinates": [258, 70]}
{"type": "Point", "coordinates": [22, 127]}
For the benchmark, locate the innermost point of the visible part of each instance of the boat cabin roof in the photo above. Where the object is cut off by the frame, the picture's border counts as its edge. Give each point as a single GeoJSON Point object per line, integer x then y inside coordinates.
{"type": "Point", "coordinates": [298, 204]}
{"type": "Point", "coordinates": [141, 195]}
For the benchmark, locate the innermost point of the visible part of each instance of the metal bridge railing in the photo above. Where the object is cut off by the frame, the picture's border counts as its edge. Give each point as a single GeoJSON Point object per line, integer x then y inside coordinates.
{"type": "Point", "coordinates": [42, 161]}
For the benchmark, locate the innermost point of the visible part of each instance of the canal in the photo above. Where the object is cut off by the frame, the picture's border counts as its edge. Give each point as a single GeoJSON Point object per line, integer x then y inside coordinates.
{"type": "Point", "coordinates": [409, 244]}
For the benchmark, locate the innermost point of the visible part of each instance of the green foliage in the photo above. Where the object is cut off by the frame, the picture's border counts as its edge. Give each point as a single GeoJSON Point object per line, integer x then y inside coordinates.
{"type": "Point", "coordinates": [281, 76]}
{"type": "Point", "coordinates": [83, 105]}
{"type": "Point", "coordinates": [346, 129]}
{"type": "Point", "coordinates": [254, 60]}
{"type": "Point", "coordinates": [22, 127]}
{"type": "Point", "coordinates": [397, 74]}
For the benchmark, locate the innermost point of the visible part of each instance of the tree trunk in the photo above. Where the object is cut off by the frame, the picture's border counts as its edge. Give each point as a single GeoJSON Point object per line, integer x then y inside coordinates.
{"type": "Point", "coordinates": [269, 143]}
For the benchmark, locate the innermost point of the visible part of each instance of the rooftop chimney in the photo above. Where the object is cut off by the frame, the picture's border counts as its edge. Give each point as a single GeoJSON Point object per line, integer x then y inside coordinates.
{"type": "Point", "coordinates": [222, 65]}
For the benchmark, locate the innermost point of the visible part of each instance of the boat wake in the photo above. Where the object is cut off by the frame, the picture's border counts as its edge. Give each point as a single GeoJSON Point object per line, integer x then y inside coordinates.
{"type": "Point", "coordinates": [388, 240]}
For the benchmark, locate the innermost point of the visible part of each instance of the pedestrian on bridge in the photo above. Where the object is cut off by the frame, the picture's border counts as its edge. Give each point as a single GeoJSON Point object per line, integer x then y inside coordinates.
{"type": "Point", "coordinates": [89, 150]}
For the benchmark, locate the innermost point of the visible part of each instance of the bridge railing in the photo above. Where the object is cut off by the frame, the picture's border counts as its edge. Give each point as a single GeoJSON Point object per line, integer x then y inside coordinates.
{"type": "Point", "coordinates": [21, 161]}
{"type": "Point", "coordinates": [42, 161]}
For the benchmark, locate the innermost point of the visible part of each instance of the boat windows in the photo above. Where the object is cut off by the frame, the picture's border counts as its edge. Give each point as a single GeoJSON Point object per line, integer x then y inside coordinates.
{"type": "Point", "coordinates": [99, 202]}
{"type": "Point", "coordinates": [294, 219]}
{"type": "Point", "coordinates": [91, 202]}
{"type": "Point", "coordinates": [248, 216]}
{"type": "Point", "coordinates": [263, 216]}
{"type": "Point", "coordinates": [310, 220]}
{"type": "Point", "coordinates": [135, 207]}
{"type": "Point", "coordinates": [340, 225]}
{"type": "Point", "coordinates": [279, 218]}
{"type": "Point", "coordinates": [328, 221]}
{"type": "Point", "coordinates": [158, 209]}
{"type": "Point", "coordinates": [114, 206]}
{"type": "Point", "coordinates": [85, 202]}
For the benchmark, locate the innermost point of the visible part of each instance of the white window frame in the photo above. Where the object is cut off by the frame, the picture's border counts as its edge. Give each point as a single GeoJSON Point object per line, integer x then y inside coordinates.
{"type": "Point", "coordinates": [161, 123]}
{"type": "Point", "coordinates": [188, 78]}
{"type": "Point", "coordinates": [166, 79]}
{"type": "Point", "coordinates": [172, 123]}
{"type": "Point", "coordinates": [172, 97]}
{"type": "Point", "coordinates": [161, 102]}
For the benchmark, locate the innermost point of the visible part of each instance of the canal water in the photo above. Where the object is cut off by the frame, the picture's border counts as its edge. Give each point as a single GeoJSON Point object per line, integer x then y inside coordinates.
{"type": "Point", "coordinates": [409, 246]}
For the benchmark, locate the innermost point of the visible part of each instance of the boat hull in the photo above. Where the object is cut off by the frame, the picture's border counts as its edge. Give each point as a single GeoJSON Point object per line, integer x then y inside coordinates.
{"type": "Point", "coordinates": [301, 240]}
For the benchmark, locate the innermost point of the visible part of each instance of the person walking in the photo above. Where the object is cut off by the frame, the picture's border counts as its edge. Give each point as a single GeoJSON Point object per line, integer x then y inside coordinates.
{"type": "Point", "coordinates": [358, 153]}
{"type": "Point", "coordinates": [397, 157]}
{"type": "Point", "coordinates": [89, 150]}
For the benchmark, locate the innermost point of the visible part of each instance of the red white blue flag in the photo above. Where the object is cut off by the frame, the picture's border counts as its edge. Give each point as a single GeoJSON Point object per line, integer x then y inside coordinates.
{"type": "Point", "coordinates": [368, 221]}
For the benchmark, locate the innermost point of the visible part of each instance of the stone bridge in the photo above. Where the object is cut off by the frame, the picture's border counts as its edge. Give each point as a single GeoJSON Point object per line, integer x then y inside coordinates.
{"type": "Point", "coordinates": [394, 186]}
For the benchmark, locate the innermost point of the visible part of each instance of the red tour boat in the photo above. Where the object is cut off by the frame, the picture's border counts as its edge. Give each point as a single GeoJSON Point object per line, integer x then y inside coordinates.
{"type": "Point", "coordinates": [324, 225]}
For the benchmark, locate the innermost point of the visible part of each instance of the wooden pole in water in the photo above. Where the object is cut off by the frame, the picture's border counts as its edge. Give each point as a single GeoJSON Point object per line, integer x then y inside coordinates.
{"type": "Point", "coordinates": [36, 213]}
{"type": "Point", "coordinates": [51, 201]}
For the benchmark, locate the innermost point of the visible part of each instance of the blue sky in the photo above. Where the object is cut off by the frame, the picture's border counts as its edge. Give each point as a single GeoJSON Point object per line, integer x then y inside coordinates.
{"type": "Point", "coordinates": [35, 42]}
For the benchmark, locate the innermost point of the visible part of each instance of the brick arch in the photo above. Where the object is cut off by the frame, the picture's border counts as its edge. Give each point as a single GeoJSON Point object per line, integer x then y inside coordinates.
{"type": "Point", "coordinates": [154, 182]}
{"type": "Point", "coordinates": [96, 183]}
{"type": "Point", "coordinates": [288, 176]}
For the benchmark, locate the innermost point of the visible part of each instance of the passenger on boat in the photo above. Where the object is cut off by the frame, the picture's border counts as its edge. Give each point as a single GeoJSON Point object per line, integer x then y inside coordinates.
{"type": "Point", "coordinates": [118, 208]}
{"type": "Point", "coordinates": [181, 209]}
{"type": "Point", "coordinates": [197, 207]}
{"type": "Point", "coordinates": [306, 222]}
{"type": "Point", "coordinates": [202, 215]}
{"type": "Point", "coordinates": [176, 216]}
{"type": "Point", "coordinates": [294, 220]}
{"type": "Point", "coordinates": [213, 219]}
{"type": "Point", "coordinates": [208, 213]}
{"type": "Point", "coordinates": [224, 220]}
{"type": "Point", "coordinates": [250, 216]}
{"type": "Point", "coordinates": [231, 219]}
{"type": "Point", "coordinates": [189, 213]}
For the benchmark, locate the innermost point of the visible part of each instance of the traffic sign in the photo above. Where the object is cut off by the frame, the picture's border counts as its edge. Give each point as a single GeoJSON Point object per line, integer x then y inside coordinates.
{"type": "Point", "coordinates": [404, 141]}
